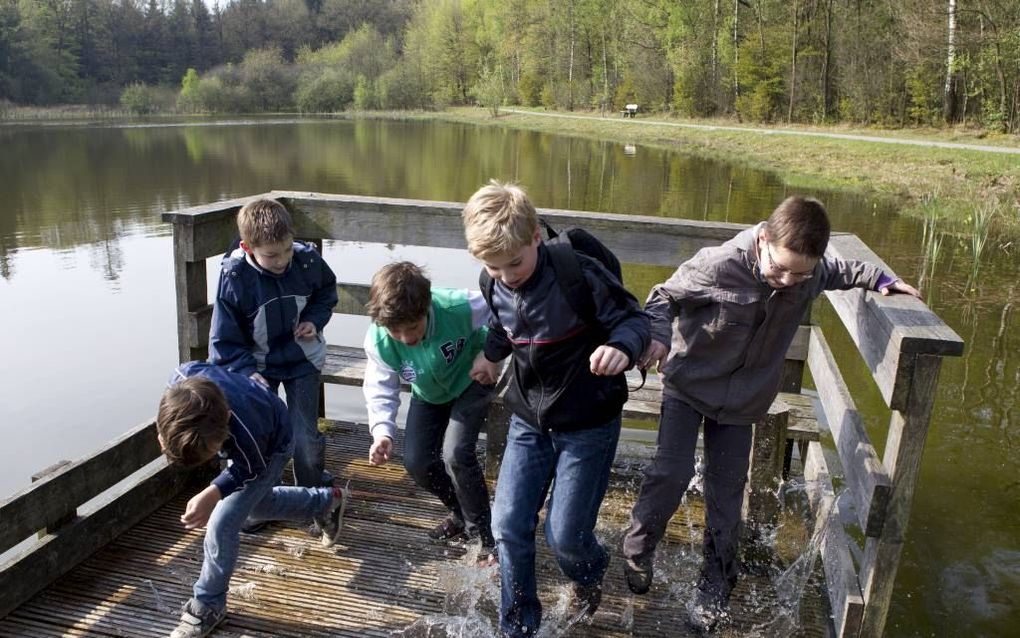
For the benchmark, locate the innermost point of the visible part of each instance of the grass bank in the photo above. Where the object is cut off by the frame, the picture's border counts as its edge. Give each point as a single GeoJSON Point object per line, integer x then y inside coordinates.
{"type": "Point", "coordinates": [949, 184]}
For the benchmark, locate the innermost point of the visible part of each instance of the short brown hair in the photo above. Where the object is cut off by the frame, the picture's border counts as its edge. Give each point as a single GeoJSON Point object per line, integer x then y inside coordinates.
{"type": "Point", "coordinates": [499, 219]}
{"type": "Point", "coordinates": [800, 225]}
{"type": "Point", "coordinates": [264, 221]}
{"type": "Point", "coordinates": [400, 295]}
{"type": "Point", "coordinates": [193, 421]}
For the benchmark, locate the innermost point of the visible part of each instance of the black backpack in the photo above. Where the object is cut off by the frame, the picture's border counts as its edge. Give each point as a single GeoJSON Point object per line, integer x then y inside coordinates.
{"type": "Point", "coordinates": [561, 247]}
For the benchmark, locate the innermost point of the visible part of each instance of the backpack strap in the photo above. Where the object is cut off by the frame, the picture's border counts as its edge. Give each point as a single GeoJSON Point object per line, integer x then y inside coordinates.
{"type": "Point", "coordinates": [485, 285]}
{"type": "Point", "coordinates": [571, 280]}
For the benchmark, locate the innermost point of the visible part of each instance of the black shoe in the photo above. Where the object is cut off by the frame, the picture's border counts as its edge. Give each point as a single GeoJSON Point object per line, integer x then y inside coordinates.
{"type": "Point", "coordinates": [706, 610]}
{"type": "Point", "coordinates": [451, 527]}
{"type": "Point", "coordinates": [638, 574]}
{"type": "Point", "coordinates": [333, 524]}
{"type": "Point", "coordinates": [588, 597]}
{"type": "Point", "coordinates": [255, 528]}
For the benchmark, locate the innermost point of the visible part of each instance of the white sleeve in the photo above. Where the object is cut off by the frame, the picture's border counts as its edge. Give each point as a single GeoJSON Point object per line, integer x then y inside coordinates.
{"type": "Point", "coordinates": [479, 309]}
{"type": "Point", "coordinates": [382, 393]}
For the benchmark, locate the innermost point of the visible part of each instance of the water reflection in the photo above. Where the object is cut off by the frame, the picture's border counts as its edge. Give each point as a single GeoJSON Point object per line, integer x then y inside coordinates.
{"type": "Point", "coordinates": [85, 267]}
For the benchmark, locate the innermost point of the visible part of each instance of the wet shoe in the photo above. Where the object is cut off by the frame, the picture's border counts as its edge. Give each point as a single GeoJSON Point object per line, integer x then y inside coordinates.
{"type": "Point", "coordinates": [705, 612]}
{"type": "Point", "coordinates": [638, 574]}
{"type": "Point", "coordinates": [333, 524]}
{"type": "Point", "coordinates": [255, 528]}
{"type": "Point", "coordinates": [587, 598]}
{"type": "Point", "coordinates": [451, 527]}
{"type": "Point", "coordinates": [198, 620]}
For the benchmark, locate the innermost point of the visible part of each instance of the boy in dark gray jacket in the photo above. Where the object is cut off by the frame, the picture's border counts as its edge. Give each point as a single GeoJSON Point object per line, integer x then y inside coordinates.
{"type": "Point", "coordinates": [731, 313]}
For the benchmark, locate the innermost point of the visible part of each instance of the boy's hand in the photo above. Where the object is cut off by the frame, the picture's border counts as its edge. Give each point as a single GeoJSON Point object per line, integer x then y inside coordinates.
{"type": "Point", "coordinates": [305, 330]}
{"type": "Point", "coordinates": [200, 507]}
{"type": "Point", "coordinates": [379, 453]}
{"type": "Point", "coordinates": [654, 354]}
{"type": "Point", "coordinates": [902, 287]}
{"type": "Point", "coordinates": [608, 361]}
{"type": "Point", "coordinates": [258, 378]}
{"type": "Point", "coordinates": [484, 371]}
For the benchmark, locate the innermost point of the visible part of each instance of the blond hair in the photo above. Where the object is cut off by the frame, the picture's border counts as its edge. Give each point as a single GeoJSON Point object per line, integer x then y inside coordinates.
{"type": "Point", "coordinates": [264, 221]}
{"type": "Point", "coordinates": [499, 219]}
{"type": "Point", "coordinates": [400, 295]}
{"type": "Point", "coordinates": [192, 421]}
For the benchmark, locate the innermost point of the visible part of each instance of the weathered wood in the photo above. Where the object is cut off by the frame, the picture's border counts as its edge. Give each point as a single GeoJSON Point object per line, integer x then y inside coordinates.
{"type": "Point", "coordinates": [886, 329]}
{"type": "Point", "coordinates": [862, 468]}
{"type": "Point", "coordinates": [59, 494]}
{"type": "Point", "coordinates": [845, 599]}
{"type": "Point", "coordinates": [352, 299]}
{"type": "Point", "coordinates": [37, 567]}
{"type": "Point", "coordinates": [904, 448]}
{"type": "Point", "coordinates": [762, 502]}
{"type": "Point", "coordinates": [62, 519]}
{"type": "Point", "coordinates": [497, 428]}
{"type": "Point", "coordinates": [190, 288]}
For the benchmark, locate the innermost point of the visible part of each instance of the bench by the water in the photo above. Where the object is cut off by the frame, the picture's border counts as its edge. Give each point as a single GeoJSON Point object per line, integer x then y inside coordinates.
{"type": "Point", "coordinates": [136, 563]}
{"type": "Point", "coordinates": [630, 110]}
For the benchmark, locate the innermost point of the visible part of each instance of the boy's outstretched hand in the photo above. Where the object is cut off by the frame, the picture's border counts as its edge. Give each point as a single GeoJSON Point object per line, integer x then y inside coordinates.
{"type": "Point", "coordinates": [484, 371]}
{"type": "Point", "coordinates": [200, 507]}
{"type": "Point", "coordinates": [901, 286]}
{"type": "Point", "coordinates": [379, 453]}
{"type": "Point", "coordinates": [654, 354]}
{"type": "Point", "coordinates": [608, 361]}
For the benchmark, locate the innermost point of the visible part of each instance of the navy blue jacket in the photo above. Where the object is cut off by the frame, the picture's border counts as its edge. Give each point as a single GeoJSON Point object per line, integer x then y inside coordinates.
{"type": "Point", "coordinates": [256, 311]}
{"type": "Point", "coordinates": [259, 425]}
{"type": "Point", "coordinates": [552, 385]}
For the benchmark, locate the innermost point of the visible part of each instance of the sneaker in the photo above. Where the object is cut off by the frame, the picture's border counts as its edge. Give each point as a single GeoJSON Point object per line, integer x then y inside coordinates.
{"type": "Point", "coordinates": [705, 612]}
{"type": "Point", "coordinates": [197, 620]}
{"type": "Point", "coordinates": [333, 524]}
{"type": "Point", "coordinates": [255, 528]}
{"type": "Point", "coordinates": [451, 527]}
{"type": "Point", "coordinates": [587, 597]}
{"type": "Point", "coordinates": [638, 574]}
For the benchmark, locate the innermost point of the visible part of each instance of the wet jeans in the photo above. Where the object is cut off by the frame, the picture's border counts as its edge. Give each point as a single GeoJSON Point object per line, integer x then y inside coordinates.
{"type": "Point", "coordinates": [727, 453]}
{"type": "Point", "coordinates": [309, 443]}
{"type": "Point", "coordinates": [576, 466]}
{"type": "Point", "coordinates": [261, 499]}
{"type": "Point", "coordinates": [439, 454]}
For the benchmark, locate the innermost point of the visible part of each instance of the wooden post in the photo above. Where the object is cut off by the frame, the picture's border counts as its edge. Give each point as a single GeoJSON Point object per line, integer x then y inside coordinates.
{"type": "Point", "coordinates": [497, 427]}
{"type": "Point", "coordinates": [793, 381]}
{"type": "Point", "coordinates": [903, 450]}
{"type": "Point", "coordinates": [60, 520]}
{"type": "Point", "coordinates": [189, 280]}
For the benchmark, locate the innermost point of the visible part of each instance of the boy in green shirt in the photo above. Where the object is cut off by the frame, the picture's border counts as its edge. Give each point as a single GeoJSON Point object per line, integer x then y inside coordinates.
{"type": "Point", "coordinates": [432, 339]}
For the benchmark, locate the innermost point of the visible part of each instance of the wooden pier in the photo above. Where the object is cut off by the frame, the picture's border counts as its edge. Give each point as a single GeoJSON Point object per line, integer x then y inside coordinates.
{"type": "Point", "coordinates": [108, 556]}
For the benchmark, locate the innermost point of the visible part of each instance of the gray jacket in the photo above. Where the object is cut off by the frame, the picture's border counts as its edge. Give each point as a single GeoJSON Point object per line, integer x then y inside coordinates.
{"type": "Point", "coordinates": [730, 330]}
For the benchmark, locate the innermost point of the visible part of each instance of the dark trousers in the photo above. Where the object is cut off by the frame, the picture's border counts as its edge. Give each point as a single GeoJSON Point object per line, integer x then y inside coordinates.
{"type": "Point", "coordinates": [727, 452]}
{"type": "Point", "coordinates": [439, 454]}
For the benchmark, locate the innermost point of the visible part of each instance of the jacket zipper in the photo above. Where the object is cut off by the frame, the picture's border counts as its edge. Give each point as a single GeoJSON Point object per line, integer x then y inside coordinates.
{"type": "Point", "coordinates": [518, 303]}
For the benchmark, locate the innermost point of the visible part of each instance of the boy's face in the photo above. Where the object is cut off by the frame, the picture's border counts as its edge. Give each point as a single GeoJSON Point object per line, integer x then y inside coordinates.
{"type": "Point", "coordinates": [514, 269]}
{"type": "Point", "coordinates": [409, 334]}
{"type": "Point", "coordinates": [274, 256]}
{"type": "Point", "coordinates": [782, 267]}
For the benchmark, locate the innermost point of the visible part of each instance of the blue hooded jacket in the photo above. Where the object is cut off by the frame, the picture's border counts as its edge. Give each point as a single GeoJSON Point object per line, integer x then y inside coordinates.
{"type": "Point", "coordinates": [259, 425]}
{"type": "Point", "coordinates": [256, 312]}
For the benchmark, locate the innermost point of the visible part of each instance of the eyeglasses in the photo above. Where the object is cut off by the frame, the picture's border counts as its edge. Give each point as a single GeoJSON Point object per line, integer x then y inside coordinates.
{"type": "Point", "coordinates": [783, 270]}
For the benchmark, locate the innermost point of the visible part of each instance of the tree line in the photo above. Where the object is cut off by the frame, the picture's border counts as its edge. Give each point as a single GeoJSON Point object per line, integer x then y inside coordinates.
{"type": "Point", "coordinates": [884, 62]}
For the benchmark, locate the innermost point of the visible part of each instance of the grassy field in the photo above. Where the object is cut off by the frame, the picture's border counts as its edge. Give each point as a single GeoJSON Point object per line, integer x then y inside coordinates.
{"type": "Point", "coordinates": [950, 184]}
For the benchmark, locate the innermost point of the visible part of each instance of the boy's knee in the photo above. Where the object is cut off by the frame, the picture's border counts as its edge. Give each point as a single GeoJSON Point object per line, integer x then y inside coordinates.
{"type": "Point", "coordinates": [459, 459]}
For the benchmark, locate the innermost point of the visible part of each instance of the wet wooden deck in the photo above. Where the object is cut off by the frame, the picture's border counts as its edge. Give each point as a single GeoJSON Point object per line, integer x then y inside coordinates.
{"type": "Point", "coordinates": [383, 578]}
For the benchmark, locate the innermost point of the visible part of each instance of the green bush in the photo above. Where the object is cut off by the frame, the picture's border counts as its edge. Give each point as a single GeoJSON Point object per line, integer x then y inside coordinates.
{"type": "Point", "coordinates": [138, 98]}
{"type": "Point", "coordinates": [365, 95]}
{"type": "Point", "coordinates": [404, 87]}
{"type": "Point", "coordinates": [328, 91]}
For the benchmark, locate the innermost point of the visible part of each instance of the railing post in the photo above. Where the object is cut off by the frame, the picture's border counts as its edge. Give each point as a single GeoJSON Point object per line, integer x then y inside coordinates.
{"type": "Point", "coordinates": [497, 426]}
{"type": "Point", "coordinates": [63, 519]}
{"type": "Point", "coordinates": [189, 281]}
{"type": "Point", "coordinates": [761, 503]}
{"type": "Point", "coordinates": [903, 451]}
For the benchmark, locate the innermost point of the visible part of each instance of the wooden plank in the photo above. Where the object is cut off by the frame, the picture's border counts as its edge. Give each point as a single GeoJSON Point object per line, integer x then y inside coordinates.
{"type": "Point", "coordinates": [199, 324]}
{"type": "Point", "coordinates": [762, 503]}
{"type": "Point", "coordinates": [634, 238]}
{"type": "Point", "coordinates": [868, 481]}
{"type": "Point", "coordinates": [887, 328]}
{"type": "Point", "coordinates": [190, 289]}
{"type": "Point", "coordinates": [34, 507]}
{"type": "Point", "coordinates": [904, 449]}
{"type": "Point", "coordinates": [845, 599]}
{"type": "Point", "coordinates": [352, 299]}
{"type": "Point", "coordinates": [38, 566]}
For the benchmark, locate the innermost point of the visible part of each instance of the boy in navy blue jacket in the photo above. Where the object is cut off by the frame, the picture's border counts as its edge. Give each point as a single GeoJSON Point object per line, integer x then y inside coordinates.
{"type": "Point", "coordinates": [566, 393]}
{"type": "Point", "coordinates": [209, 411]}
{"type": "Point", "coordinates": [275, 297]}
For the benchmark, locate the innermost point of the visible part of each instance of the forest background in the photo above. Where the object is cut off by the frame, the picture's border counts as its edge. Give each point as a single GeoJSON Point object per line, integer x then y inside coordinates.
{"type": "Point", "coordinates": [890, 63]}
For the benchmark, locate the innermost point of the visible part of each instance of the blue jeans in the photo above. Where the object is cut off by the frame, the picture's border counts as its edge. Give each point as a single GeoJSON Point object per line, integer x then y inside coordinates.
{"type": "Point", "coordinates": [727, 455]}
{"type": "Point", "coordinates": [440, 455]}
{"type": "Point", "coordinates": [309, 443]}
{"type": "Point", "coordinates": [576, 465]}
{"type": "Point", "coordinates": [261, 499]}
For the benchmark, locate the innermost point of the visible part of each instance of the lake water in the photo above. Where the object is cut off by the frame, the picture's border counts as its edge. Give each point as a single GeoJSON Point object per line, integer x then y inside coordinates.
{"type": "Point", "coordinates": [88, 336]}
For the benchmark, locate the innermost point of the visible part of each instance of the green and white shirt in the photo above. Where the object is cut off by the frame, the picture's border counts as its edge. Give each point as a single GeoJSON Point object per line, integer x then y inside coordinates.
{"type": "Point", "coordinates": [437, 367]}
